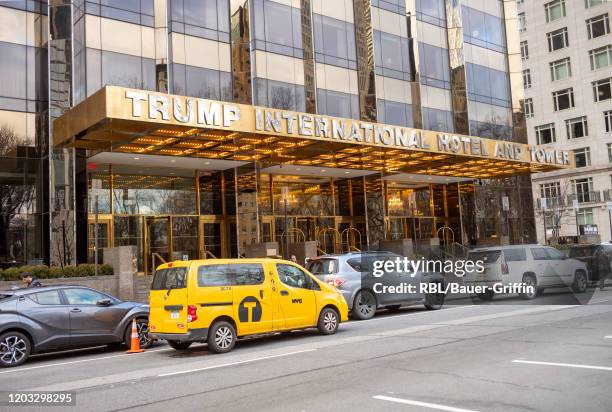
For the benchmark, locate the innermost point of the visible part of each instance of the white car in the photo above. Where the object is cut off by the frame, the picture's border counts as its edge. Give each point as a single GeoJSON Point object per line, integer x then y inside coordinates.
{"type": "Point", "coordinates": [533, 265]}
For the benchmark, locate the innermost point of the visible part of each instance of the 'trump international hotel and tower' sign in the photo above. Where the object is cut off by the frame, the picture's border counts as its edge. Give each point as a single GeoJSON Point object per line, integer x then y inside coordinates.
{"type": "Point", "coordinates": [143, 106]}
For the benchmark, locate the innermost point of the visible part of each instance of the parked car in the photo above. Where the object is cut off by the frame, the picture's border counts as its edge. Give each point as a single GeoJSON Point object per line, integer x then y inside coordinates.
{"type": "Point", "coordinates": [539, 266]}
{"type": "Point", "coordinates": [351, 274]}
{"type": "Point", "coordinates": [219, 300]}
{"type": "Point", "coordinates": [598, 259]}
{"type": "Point", "coordinates": [53, 318]}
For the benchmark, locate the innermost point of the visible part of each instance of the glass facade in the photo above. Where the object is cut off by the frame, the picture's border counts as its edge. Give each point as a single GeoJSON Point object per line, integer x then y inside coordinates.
{"type": "Point", "coordinates": [375, 61]}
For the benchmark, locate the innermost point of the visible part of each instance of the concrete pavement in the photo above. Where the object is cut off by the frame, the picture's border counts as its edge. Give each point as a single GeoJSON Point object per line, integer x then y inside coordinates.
{"type": "Point", "coordinates": [475, 358]}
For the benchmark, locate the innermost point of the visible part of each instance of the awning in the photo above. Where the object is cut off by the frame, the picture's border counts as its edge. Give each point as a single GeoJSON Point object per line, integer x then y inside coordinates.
{"type": "Point", "coordinates": [124, 120]}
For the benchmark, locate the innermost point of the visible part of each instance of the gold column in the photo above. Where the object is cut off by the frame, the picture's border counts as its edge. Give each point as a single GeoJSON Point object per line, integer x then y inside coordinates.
{"type": "Point", "coordinates": [454, 26]}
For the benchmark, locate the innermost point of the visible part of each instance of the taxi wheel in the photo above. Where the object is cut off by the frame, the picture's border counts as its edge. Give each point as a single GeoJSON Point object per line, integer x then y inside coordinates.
{"type": "Point", "coordinates": [221, 337]}
{"type": "Point", "coordinates": [580, 282]}
{"type": "Point", "coordinates": [328, 321]}
{"type": "Point", "coordinates": [15, 349]}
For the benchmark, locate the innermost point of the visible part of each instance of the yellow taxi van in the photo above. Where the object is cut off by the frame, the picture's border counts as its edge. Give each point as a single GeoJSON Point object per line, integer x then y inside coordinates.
{"type": "Point", "coordinates": [219, 300]}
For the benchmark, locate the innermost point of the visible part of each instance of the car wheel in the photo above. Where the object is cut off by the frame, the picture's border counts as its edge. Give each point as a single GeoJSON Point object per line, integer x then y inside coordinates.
{"type": "Point", "coordinates": [486, 296]}
{"type": "Point", "coordinates": [540, 291]}
{"type": "Point", "coordinates": [328, 321]}
{"type": "Point", "coordinates": [142, 326]}
{"type": "Point", "coordinates": [175, 344]}
{"type": "Point", "coordinates": [221, 337]}
{"type": "Point", "coordinates": [364, 306]}
{"type": "Point", "coordinates": [531, 287]}
{"type": "Point", "coordinates": [580, 282]}
{"type": "Point", "coordinates": [15, 348]}
{"type": "Point", "coordinates": [434, 301]}
{"type": "Point", "coordinates": [394, 308]}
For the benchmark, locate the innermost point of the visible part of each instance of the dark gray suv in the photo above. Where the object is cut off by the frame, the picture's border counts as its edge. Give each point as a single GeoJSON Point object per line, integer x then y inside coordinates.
{"type": "Point", "coordinates": [54, 318]}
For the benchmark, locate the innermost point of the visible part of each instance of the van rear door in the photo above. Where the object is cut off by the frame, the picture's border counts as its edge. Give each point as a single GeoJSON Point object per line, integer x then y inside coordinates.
{"type": "Point", "coordinates": [168, 300]}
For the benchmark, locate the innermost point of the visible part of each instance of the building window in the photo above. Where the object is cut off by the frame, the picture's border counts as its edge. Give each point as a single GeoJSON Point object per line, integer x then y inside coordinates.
{"type": "Point", "coordinates": [608, 119]}
{"type": "Point", "coordinates": [583, 189]}
{"type": "Point", "coordinates": [577, 127]}
{"type": "Point", "coordinates": [334, 42]}
{"type": "Point", "coordinates": [430, 11]}
{"type": "Point", "coordinates": [591, 3]}
{"type": "Point", "coordinates": [563, 99]}
{"type": "Point", "coordinates": [277, 28]}
{"type": "Point", "coordinates": [546, 133]}
{"type": "Point", "coordinates": [279, 95]}
{"type": "Point", "coordinates": [560, 69]}
{"type": "Point", "coordinates": [522, 22]}
{"type": "Point", "coordinates": [395, 113]}
{"type": "Point", "coordinates": [394, 6]}
{"type": "Point", "coordinates": [550, 190]}
{"type": "Point", "coordinates": [209, 19]}
{"type": "Point", "coordinates": [337, 104]}
{"type": "Point", "coordinates": [520, 1]}
{"type": "Point", "coordinates": [528, 107]}
{"type": "Point", "coordinates": [598, 26]}
{"type": "Point", "coordinates": [585, 217]}
{"type": "Point", "coordinates": [391, 55]}
{"type": "Point", "coordinates": [524, 50]}
{"type": "Point", "coordinates": [483, 29]}
{"type": "Point", "coordinates": [434, 66]}
{"type": "Point", "coordinates": [609, 152]}
{"type": "Point", "coordinates": [602, 89]}
{"type": "Point", "coordinates": [527, 78]}
{"type": "Point", "coordinates": [557, 39]}
{"type": "Point", "coordinates": [554, 10]}
{"type": "Point", "coordinates": [582, 157]}
{"type": "Point", "coordinates": [601, 57]}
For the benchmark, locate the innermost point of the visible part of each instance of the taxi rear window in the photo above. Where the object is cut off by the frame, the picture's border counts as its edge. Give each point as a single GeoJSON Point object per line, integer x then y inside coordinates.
{"type": "Point", "coordinates": [235, 274]}
{"type": "Point", "coordinates": [170, 278]}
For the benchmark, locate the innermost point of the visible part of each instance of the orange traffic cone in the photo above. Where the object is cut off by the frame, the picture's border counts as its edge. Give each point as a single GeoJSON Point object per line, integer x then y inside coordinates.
{"type": "Point", "coordinates": [134, 341]}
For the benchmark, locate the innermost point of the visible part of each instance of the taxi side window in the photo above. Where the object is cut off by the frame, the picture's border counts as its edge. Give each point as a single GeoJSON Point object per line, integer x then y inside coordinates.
{"type": "Point", "coordinates": [213, 275]}
{"type": "Point", "coordinates": [292, 276]}
{"type": "Point", "coordinates": [244, 274]}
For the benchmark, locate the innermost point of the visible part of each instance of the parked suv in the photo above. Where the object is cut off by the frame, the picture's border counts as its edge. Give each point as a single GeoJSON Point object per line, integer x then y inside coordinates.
{"type": "Point", "coordinates": [533, 265]}
{"type": "Point", "coordinates": [351, 274]}
{"type": "Point", "coordinates": [55, 318]}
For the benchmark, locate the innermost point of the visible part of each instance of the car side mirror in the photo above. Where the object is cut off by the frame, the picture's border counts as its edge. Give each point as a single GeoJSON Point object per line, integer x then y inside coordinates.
{"type": "Point", "coordinates": [104, 302]}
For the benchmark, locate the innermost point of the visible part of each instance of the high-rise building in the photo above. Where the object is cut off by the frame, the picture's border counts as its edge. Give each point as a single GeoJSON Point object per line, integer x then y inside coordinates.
{"type": "Point", "coordinates": [566, 48]}
{"type": "Point", "coordinates": [385, 120]}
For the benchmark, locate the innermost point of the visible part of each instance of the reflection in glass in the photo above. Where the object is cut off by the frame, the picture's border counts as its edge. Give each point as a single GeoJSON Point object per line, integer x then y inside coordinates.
{"type": "Point", "coordinates": [277, 28]}
{"type": "Point", "coordinates": [279, 95]}
{"type": "Point", "coordinates": [337, 104]}
{"type": "Point", "coordinates": [434, 66]}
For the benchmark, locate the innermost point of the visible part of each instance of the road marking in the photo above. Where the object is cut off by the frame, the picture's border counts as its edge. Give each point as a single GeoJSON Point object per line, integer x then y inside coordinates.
{"type": "Point", "coordinates": [235, 363]}
{"type": "Point", "coordinates": [78, 361]}
{"type": "Point", "coordinates": [567, 365]}
{"type": "Point", "coordinates": [422, 404]}
{"type": "Point", "coordinates": [423, 312]}
{"type": "Point", "coordinates": [608, 337]}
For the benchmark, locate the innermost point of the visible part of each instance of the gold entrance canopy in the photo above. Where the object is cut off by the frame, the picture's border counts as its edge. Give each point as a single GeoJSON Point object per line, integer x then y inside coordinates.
{"type": "Point", "coordinates": [137, 121]}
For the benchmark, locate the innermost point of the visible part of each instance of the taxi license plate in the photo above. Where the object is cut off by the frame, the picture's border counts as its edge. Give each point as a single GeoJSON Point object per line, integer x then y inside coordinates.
{"type": "Point", "coordinates": [174, 314]}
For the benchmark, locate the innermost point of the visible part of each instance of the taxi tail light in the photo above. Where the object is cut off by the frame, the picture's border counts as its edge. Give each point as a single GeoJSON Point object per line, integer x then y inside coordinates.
{"type": "Point", "coordinates": [192, 313]}
{"type": "Point", "coordinates": [504, 266]}
{"type": "Point", "coordinates": [335, 282]}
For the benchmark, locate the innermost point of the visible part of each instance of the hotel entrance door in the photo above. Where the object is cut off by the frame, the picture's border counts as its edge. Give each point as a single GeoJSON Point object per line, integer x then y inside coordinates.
{"type": "Point", "coordinates": [158, 240]}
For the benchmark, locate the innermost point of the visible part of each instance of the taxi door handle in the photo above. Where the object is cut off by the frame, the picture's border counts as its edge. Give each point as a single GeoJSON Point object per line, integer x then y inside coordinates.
{"type": "Point", "coordinates": [284, 292]}
{"type": "Point", "coordinates": [75, 310]}
{"type": "Point", "coordinates": [261, 293]}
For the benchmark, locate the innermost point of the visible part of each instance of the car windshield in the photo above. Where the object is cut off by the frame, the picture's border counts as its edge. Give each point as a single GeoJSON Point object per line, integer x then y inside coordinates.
{"type": "Point", "coordinates": [487, 256]}
{"type": "Point", "coordinates": [323, 266]}
{"type": "Point", "coordinates": [169, 278]}
{"type": "Point", "coordinates": [581, 251]}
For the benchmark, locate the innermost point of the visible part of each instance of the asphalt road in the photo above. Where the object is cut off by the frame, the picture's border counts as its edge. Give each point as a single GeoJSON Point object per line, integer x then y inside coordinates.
{"type": "Point", "coordinates": [505, 357]}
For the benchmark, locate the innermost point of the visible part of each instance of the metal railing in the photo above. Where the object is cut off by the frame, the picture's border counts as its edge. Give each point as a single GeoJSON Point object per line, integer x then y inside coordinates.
{"type": "Point", "coordinates": [585, 197]}
{"type": "Point", "coordinates": [550, 203]}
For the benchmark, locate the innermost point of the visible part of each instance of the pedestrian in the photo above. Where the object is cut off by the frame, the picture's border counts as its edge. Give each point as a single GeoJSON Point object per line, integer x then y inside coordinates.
{"type": "Point", "coordinates": [603, 266]}
{"type": "Point", "coordinates": [30, 280]}
{"type": "Point", "coordinates": [294, 259]}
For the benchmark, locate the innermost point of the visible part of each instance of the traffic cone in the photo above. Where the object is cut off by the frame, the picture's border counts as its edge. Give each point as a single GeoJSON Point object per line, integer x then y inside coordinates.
{"type": "Point", "coordinates": [134, 341]}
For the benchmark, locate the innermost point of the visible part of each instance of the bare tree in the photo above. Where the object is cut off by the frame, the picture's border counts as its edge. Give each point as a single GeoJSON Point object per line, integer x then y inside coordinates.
{"type": "Point", "coordinates": [558, 209]}
{"type": "Point", "coordinates": [16, 194]}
